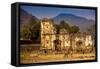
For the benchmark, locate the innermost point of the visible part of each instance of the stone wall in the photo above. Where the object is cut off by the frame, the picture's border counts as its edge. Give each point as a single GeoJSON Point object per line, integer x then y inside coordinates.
{"type": "Point", "coordinates": [48, 36]}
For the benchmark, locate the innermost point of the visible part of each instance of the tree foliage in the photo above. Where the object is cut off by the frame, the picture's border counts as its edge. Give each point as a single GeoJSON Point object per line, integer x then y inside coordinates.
{"type": "Point", "coordinates": [74, 29]}
{"type": "Point", "coordinates": [25, 32]}
{"type": "Point", "coordinates": [31, 30]}
{"type": "Point", "coordinates": [63, 25]}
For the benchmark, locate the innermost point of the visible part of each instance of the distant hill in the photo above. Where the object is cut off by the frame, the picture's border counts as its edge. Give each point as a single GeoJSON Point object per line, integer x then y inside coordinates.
{"type": "Point", "coordinates": [29, 23]}
{"type": "Point", "coordinates": [71, 19]}
{"type": "Point", "coordinates": [26, 17]}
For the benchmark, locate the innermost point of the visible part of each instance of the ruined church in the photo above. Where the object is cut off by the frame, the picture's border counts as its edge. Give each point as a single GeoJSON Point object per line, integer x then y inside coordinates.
{"type": "Point", "coordinates": [51, 40]}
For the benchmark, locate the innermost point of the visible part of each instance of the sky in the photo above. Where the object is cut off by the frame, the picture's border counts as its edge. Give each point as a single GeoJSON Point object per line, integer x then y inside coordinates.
{"type": "Point", "coordinates": [45, 12]}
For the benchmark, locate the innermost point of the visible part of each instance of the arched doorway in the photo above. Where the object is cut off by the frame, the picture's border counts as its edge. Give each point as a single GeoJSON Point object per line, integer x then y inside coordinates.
{"type": "Point", "coordinates": [57, 44]}
{"type": "Point", "coordinates": [79, 46]}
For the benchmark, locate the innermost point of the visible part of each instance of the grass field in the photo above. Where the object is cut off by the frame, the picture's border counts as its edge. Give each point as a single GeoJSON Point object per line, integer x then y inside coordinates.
{"type": "Point", "coordinates": [37, 57]}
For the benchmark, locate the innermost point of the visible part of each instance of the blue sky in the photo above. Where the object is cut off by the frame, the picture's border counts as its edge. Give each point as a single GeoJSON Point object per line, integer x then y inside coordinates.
{"type": "Point", "coordinates": [45, 12]}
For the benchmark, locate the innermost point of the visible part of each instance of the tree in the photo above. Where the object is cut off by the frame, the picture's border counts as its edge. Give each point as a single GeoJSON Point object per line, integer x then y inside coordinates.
{"type": "Point", "coordinates": [71, 29]}
{"type": "Point", "coordinates": [74, 29]}
{"type": "Point", "coordinates": [31, 29]}
{"type": "Point", "coordinates": [25, 32]}
{"type": "Point", "coordinates": [35, 32]}
{"type": "Point", "coordinates": [34, 24]}
{"type": "Point", "coordinates": [64, 25]}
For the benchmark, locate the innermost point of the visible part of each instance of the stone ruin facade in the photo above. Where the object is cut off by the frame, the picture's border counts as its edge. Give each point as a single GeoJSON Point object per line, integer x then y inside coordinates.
{"type": "Point", "coordinates": [49, 37]}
